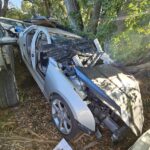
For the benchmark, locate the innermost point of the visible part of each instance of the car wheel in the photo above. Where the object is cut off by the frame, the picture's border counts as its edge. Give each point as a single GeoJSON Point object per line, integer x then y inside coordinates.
{"type": "Point", "coordinates": [8, 87]}
{"type": "Point", "coordinates": [63, 118]}
{"type": "Point", "coordinates": [8, 90]}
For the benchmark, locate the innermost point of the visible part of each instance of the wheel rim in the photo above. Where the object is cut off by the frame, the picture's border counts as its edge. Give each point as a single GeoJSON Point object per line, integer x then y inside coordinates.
{"type": "Point", "coordinates": [61, 116]}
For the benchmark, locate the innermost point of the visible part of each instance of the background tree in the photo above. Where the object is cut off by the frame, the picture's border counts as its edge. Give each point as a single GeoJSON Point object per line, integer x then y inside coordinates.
{"type": "Point", "coordinates": [48, 5]}
{"type": "Point", "coordinates": [122, 26]}
{"type": "Point", "coordinates": [3, 7]}
{"type": "Point", "coordinates": [95, 16]}
{"type": "Point", "coordinates": [74, 15]}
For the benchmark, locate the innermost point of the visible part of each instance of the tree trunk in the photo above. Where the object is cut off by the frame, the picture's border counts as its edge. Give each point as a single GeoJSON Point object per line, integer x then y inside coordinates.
{"type": "Point", "coordinates": [3, 10]}
{"type": "Point", "coordinates": [95, 15]}
{"type": "Point", "coordinates": [5, 7]}
{"type": "Point", "coordinates": [139, 69]}
{"type": "Point", "coordinates": [121, 13]}
{"type": "Point", "coordinates": [0, 8]}
{"type": "Point", "coordinates": [48, 7]}
{"type": "Point", "coordinates": [74, 14]}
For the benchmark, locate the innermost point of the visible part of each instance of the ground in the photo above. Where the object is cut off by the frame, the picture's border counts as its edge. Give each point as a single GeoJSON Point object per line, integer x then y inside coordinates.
{"type": "Point", "coordinates": [28, 126]}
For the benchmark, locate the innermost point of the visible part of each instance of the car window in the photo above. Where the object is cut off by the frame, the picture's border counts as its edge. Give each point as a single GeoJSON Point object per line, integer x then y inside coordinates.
{"type": "Point", "coordinates": [41, 40]}
{"type": "Point", "coordinates": [13, 23]}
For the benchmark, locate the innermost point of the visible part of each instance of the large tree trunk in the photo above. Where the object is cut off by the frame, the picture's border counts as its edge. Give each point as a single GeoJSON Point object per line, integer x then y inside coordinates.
{"type": "Point", "coordinates": [141, 70]}
{"type": "Point", "coordinates": [95, 15]}
{"type": "Point", "coordinates": [74, 14]}
{"type": "Point", "coordinates": [3, 10]}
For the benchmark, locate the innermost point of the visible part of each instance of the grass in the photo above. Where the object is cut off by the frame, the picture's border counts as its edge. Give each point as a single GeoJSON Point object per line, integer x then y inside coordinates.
{"type": "Point", "coordinates": [5, 117]}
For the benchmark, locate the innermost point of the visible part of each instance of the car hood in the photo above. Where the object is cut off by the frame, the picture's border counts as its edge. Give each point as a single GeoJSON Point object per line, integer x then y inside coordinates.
{"type": "Point", "coordinates": [123, 90]}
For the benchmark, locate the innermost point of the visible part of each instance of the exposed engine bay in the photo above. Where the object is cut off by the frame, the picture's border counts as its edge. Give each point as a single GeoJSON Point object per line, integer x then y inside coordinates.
{"type": "Point", "coordinates": [113, 97]}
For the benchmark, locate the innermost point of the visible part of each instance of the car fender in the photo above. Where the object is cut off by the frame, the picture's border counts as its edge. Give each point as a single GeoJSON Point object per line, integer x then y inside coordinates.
{"type": "Point", "coordinates": [57, 82]}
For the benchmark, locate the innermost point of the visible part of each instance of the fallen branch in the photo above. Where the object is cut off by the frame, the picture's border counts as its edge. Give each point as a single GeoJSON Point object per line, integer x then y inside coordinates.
{"type": "Point", "coordinates": [135, 69]}
{"type": "Point", "coordinates": [90, 145]}
{"type": "Point", "coordinates": [25, 139]}
{"type": "Point", "coordinates": [35, 134]}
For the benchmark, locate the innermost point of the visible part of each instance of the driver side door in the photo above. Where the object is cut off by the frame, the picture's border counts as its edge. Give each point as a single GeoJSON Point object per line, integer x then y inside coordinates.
{"type": "Point", "coordinates": [37, 42]}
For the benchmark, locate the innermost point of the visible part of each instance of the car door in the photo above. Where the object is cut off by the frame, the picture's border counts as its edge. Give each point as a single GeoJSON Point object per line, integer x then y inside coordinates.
{"type": "Point", "coordinates": [36, 44]}
{"type": "Point", "coordinates": [25, 40]}
{"type": "Point", "coordinates": [30, 57]}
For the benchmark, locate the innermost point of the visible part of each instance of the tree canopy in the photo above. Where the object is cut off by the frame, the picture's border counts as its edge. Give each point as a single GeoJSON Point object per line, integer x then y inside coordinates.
{"type": "Point", "coordinates": [122, 26]}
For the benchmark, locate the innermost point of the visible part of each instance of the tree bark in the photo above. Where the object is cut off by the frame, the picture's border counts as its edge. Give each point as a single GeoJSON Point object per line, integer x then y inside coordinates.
{"type": "Point", "coordinates": [0, 8]}
{"type": "Point", "coordinates": [74, 15]}
{"type": "Point", "coordinates": [95, 15]}
{"type": "Point", "coordinates": [121, 13]}
{"type": "Point", "coordinates": [5, 7]}
{"type": "Point", "coordinates": [48, 7]}
{"type": "Point", "coordinates": [3, 10]}
{"type": "Point", "coordinates": [139, 68]}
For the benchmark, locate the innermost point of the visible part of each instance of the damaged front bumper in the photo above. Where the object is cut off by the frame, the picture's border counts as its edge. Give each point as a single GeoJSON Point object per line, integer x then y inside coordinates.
{"type": "Point", "coordinates": [118, 91]}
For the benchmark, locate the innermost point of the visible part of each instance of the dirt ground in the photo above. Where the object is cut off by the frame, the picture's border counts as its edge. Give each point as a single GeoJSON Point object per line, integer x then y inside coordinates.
{"type": "Point", "coordinates": [28, 126]}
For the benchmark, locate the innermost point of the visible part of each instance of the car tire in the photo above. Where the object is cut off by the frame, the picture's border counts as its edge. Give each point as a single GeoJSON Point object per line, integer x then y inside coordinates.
{"type": "Point", "coordinates": [8, 87]}
{"type": "Point", "coordinates": [8, 91]}
{"type": "Point", "coordinates": [71, 130]}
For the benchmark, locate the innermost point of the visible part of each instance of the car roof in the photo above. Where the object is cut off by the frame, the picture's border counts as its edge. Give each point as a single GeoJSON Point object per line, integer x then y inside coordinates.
{"type": "Point", "coordinates": [63, 32]}
{"type": "Point", "coordinates": [4, 18]}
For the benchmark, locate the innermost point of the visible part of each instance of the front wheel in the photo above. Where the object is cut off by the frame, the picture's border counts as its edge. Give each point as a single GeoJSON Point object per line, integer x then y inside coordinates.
{"type": "Point", "coordinates": [63, 118]}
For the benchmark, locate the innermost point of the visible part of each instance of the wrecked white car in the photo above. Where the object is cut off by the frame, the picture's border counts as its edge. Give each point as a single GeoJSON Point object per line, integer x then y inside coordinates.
{"type": "Point", "coordinates": [81, 82]}
{"type": "Point", "coordinates": [83, 91]}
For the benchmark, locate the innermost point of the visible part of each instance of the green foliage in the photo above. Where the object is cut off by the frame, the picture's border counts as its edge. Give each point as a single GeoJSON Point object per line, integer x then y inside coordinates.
{"type": "Point", "coordinates": [86, 9]}
{"type": "Point", "coordinates": [137, 11]}
{"type": "Point", "coordinates": [129, 46]}
{"type": "Point", "coordinates": [127, 40]}
{"type": "Point", "coordinates": [15, 13]}
{"type": "Point", "coordinates": [58, 10]}
{"type": "Point", "coordinates": [133, 42]}
{"type": "Point", "coordinates": [105, 30]}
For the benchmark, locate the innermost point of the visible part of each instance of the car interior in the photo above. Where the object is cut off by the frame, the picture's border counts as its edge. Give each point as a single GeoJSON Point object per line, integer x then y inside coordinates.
{"type": "Point", "coordinates": [42, 62]}
{"type": "Point", "coordinates": [62, 49]}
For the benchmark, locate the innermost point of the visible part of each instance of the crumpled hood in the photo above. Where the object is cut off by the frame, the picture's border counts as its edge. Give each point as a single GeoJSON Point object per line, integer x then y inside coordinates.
{"type": "Point", "coordinates": [123, 90]}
